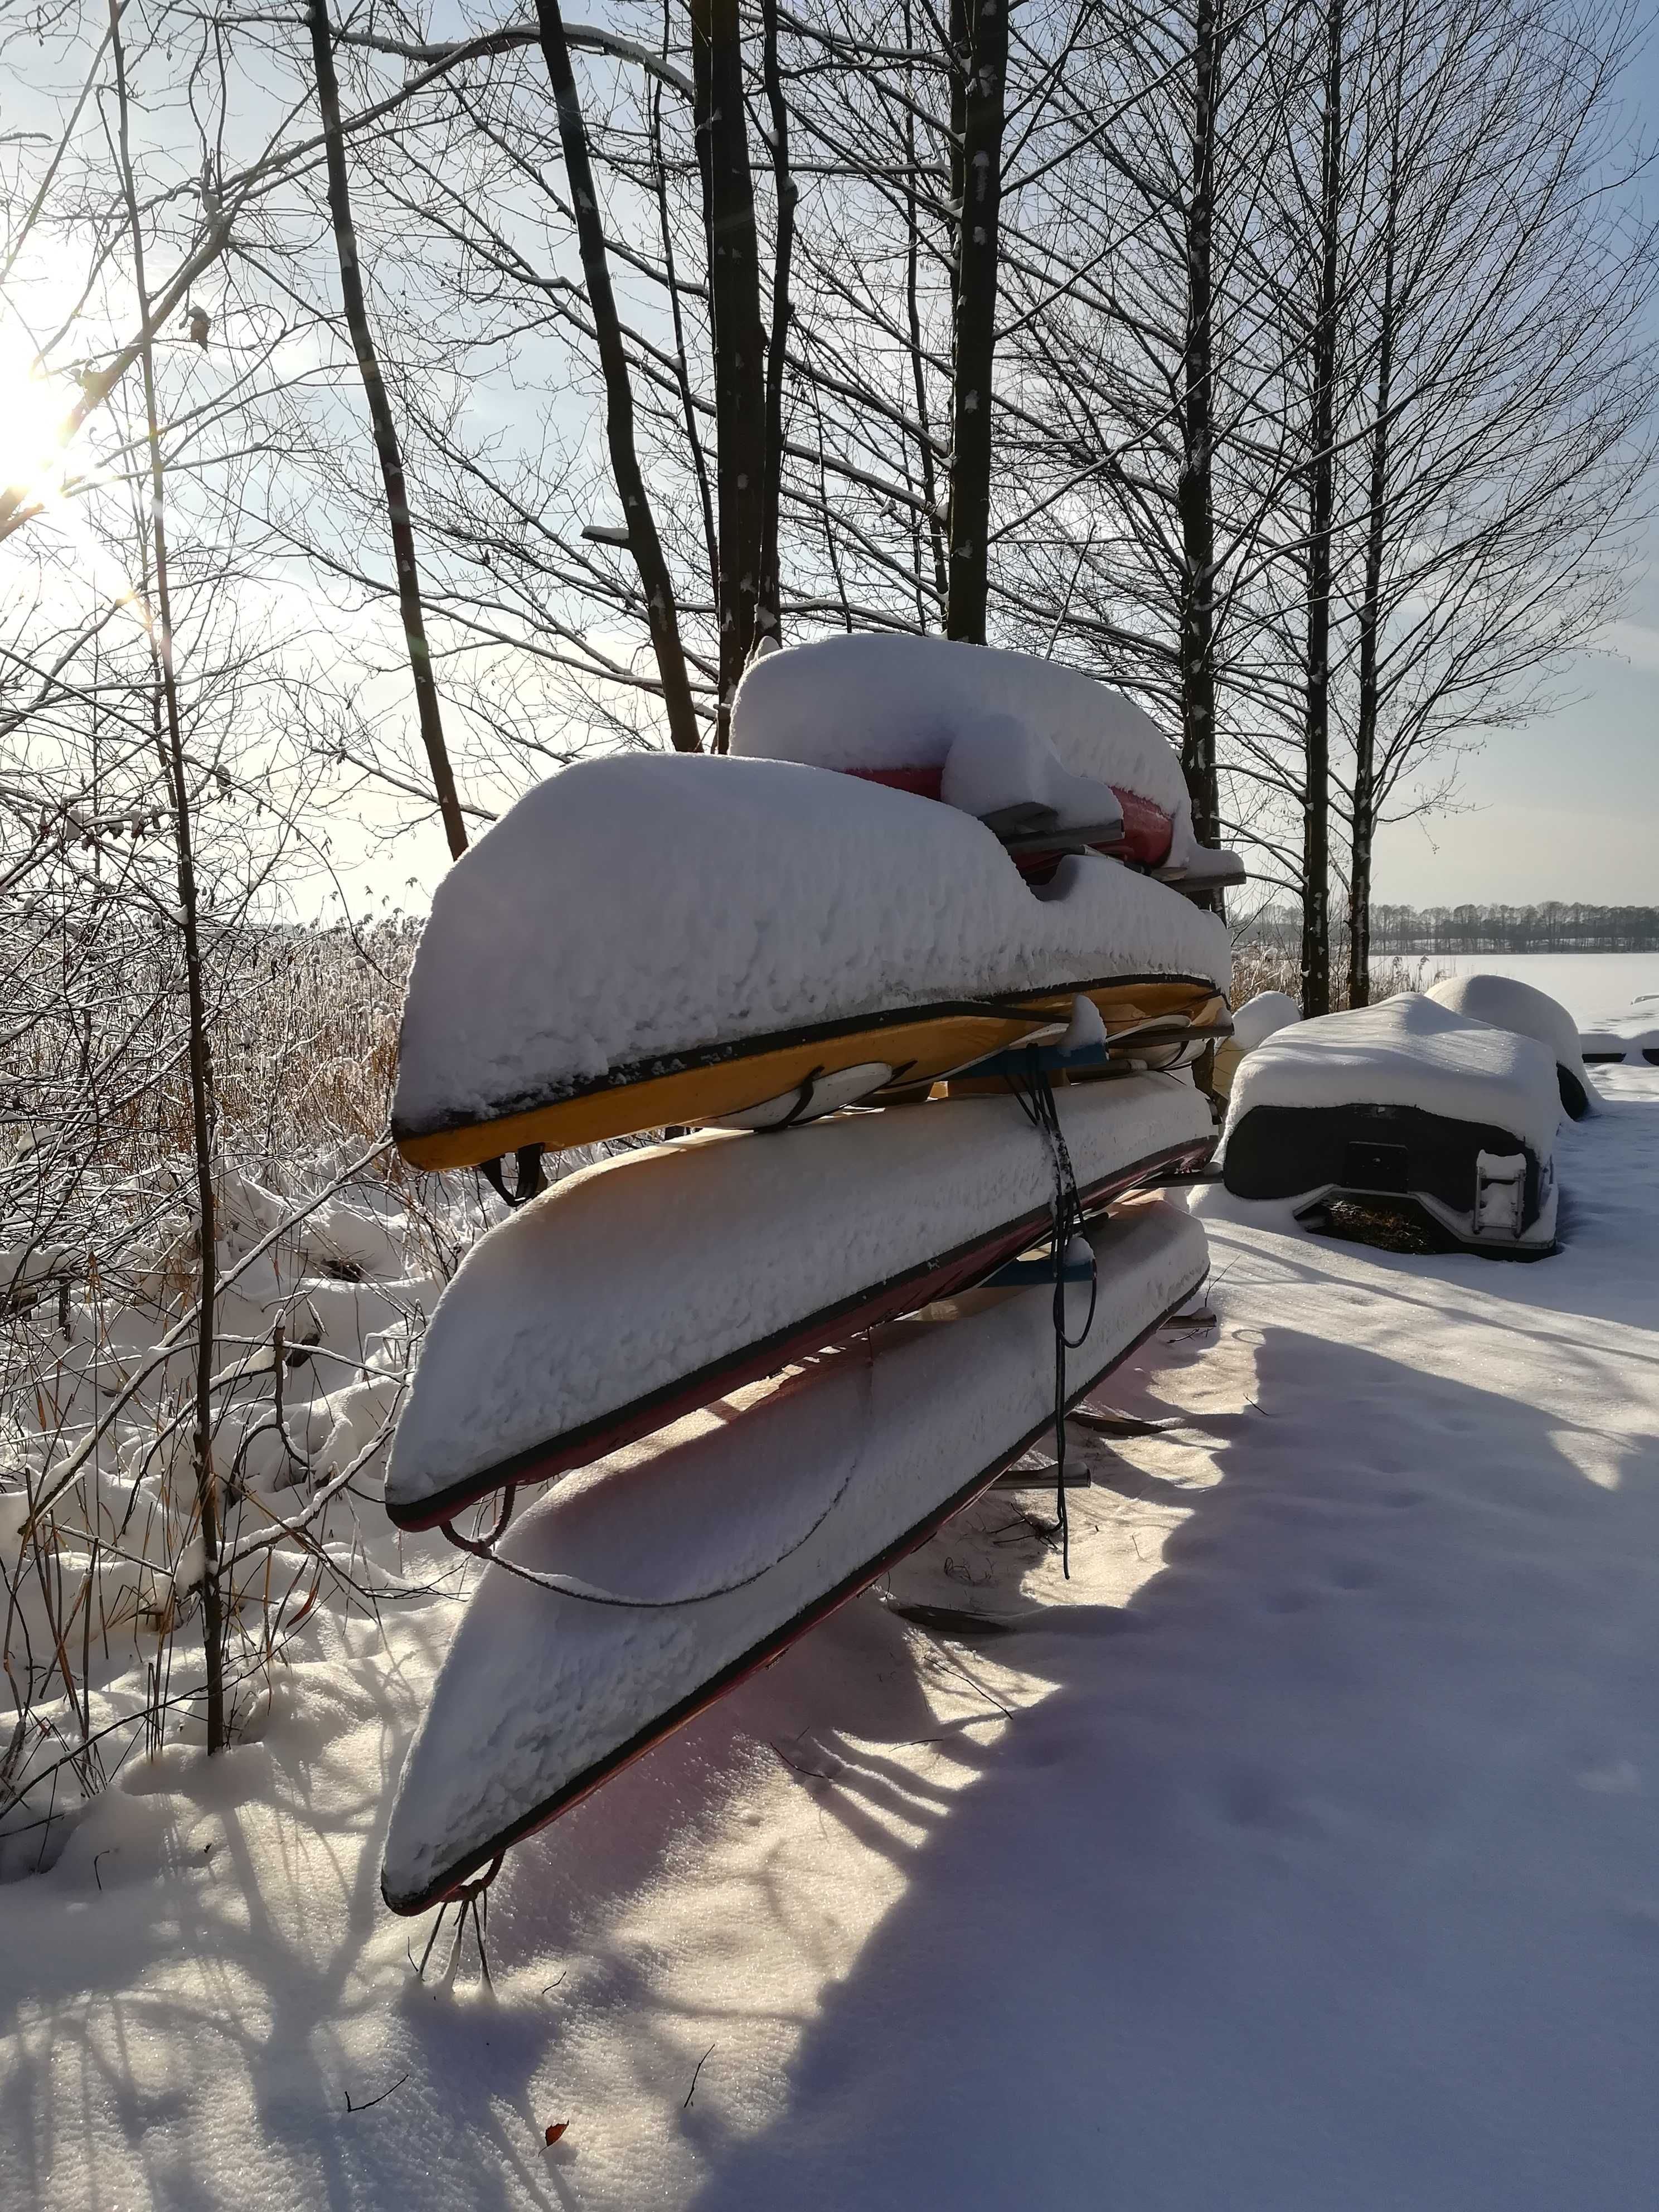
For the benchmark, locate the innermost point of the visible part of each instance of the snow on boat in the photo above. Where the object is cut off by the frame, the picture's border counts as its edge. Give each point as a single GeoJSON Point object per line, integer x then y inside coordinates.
{"type": "Point", "coordinates": [689, 1560]}
{"type": "Point", "coordinates": [1044, 754]}
{"type": "Point", "coordinates": [639, 1288]}
{"type": "Point", "coordinates": [1504, 1004]}
{"type": "Point", "coordinates": [656, 939]}
{"type": "Point", "coordinates": [1254, 1023]}
{"type": "Point", "coordinates": [1409, 1102]}
{"type": "Point", "coordinates": [1630, 1039]}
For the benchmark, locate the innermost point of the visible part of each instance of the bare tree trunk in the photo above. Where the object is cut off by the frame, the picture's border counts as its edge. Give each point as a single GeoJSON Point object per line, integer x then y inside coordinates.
{"type": "Point", "coordinates": [768, 613]}
{"type": "Point", "coordinates": [170, 744]}
{"type": "Point", "coordinates": [918, 364]}
{"type": "Point", "coordinates": [980, 63]}
{"type": "Point", "coordinates": [1370, 611]}
{"type": "Point", "coordinates": [386, 432]}
{"type": "Point", "coordinates": [644, 541]}
{"type": "Point", "coordinates": [682, 375]}
{"type": "Point", "coordinates": [1321, 485]}
{"type": "Point", "coordinates": [740, 382]}
{"type": "Point", "coordinates": [1194, 492]}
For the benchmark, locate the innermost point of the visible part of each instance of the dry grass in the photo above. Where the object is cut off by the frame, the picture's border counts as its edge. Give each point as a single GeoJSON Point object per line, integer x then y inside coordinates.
{"type": "Point", "coordinates": [1259, 967]}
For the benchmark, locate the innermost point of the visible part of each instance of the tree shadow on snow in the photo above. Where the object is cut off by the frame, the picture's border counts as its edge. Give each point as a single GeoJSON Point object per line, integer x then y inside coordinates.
{"type": "Point", "coordinates": [1324, 1874]}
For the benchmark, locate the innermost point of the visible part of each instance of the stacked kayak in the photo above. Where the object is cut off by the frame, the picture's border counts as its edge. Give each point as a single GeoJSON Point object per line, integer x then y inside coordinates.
{"type": "Point", "coordinates": [908, 1095]}
{"type": "Point", "coordinates": [629, 1598]}
{"type": "Point", "coordinates": [1044, 754]}
{"type": "Point", "coordinates": [660, 940]}
{"type": "Point", "coordinates": [660, 1279]}
{"type": "Point", "coordinates": [1411, 1101]}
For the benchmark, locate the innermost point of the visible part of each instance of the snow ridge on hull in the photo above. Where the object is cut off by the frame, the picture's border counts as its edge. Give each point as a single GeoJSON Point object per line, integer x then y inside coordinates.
{"type": "Point", "coordinates": [639, 919]}
{"type": "Point", "coordinates": [801, 1491]}
{"type": "Point", "coordinates": [575, 1319]}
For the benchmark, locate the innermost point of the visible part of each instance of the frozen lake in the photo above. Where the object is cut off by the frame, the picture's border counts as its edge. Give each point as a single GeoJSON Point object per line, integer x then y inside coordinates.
{"type": "Point", "coordinates": [1589, 985]}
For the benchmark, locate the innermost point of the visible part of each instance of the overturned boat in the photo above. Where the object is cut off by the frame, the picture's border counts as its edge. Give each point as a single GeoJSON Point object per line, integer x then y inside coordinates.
{"type": "Point", "coordinates": [657, 940]}
{"type": "Point", "coordinates": [1504, 1004]}
{"type": "Point", "coordinates": [1409, 1105]}
{"type": "Point", "coordinates": [1044, 755]}
{"type": "Point", "coordinates": [629, 1598]}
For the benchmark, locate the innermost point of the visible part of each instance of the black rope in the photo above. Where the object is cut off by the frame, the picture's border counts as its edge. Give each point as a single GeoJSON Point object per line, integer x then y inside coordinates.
{"type": "Point", "coordinates": [1036, 1094]}
{"type": "Point", "coordinates": [529, 1181]}
{"type": "Point", "coordinates": [571, 1586]}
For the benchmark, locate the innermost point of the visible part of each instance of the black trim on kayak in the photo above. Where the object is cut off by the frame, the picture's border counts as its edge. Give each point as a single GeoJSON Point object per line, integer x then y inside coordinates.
{"type": "Point", "coordinates": [769, 1646]}
{"type": "Point", "coordinates": [750, 1361]}
{"type": "Point", "coordinates": [718, 1055]}
{"type": "Point", "coordinates": [1375, 1151]}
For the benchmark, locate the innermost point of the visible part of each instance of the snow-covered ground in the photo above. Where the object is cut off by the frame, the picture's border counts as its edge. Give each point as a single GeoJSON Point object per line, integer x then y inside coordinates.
{"type": "Point", "coordinates": [1589, 985]}
{"type": "Point", "coordinates": [1302, 1853]}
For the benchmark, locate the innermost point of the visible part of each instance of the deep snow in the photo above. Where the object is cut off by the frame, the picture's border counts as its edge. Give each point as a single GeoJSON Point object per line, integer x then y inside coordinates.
{"type": "Point", "coordinates": [1508, 1004]}
{"type": "Point", "coordinates": [1302, 1853]}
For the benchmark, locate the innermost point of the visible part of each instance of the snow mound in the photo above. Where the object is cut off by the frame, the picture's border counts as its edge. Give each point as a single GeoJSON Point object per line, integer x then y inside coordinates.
{"type": "Point", "coordinates": [1408, 1051]}
{"type": "Point", "coordinates": [1263, 1016]}
{"type": "Point", "coordinates": [577, 1305]}
{"type": "Point", "coordinates": [1504, 1004]}
{"type": "Point", "coordinates": [635, 908]}
{"type": "Point", "coordinates": [793, 1489]}
{"type": "Point", "coordinates": [872, 702]}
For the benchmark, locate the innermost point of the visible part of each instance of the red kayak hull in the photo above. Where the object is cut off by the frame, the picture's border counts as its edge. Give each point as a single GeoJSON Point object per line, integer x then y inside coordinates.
{"type": "Point", "coordinates": [1147, 829]}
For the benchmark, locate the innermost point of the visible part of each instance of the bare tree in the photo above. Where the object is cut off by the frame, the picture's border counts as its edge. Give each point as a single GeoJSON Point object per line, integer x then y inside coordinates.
{"type": "Point", "coordinates": [387, 449]}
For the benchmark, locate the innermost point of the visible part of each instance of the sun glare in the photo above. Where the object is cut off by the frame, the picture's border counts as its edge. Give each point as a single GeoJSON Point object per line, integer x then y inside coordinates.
{"type": "Point", "coordinates": [32, 412]}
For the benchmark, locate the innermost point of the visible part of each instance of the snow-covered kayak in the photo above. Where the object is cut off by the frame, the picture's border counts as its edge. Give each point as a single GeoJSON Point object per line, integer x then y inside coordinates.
{"type": "Point", "coordinates": [1408, 1101]}
{"type": "Point", "coordinates": [1504, 1004]}
{"type": "Point", "coordinates": [637, 1289]}
{"type": "Point", "coordinates": [703, 1553]}
{"type": "Point", "coordinates": [997, 734]}
{"type": "Point", "coordinates": [659, 940]}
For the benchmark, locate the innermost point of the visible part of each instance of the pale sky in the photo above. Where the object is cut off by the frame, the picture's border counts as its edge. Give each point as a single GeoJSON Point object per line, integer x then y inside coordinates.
{"type": "Point", "coordinates": [1567, 808]}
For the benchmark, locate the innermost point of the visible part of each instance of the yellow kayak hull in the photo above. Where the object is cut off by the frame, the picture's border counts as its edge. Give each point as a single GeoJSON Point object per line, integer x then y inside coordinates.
{"type": "Point", "coordinates": [921, 1045]}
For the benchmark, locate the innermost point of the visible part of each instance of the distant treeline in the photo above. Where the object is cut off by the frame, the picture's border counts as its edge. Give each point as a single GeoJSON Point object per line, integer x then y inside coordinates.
{"type": "Point", "coordinates": [1555, 926]}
